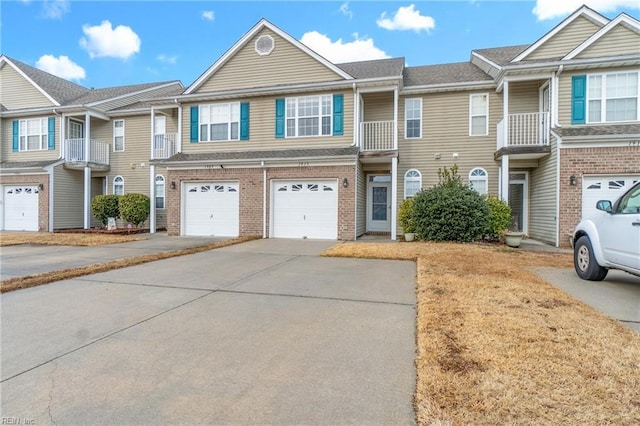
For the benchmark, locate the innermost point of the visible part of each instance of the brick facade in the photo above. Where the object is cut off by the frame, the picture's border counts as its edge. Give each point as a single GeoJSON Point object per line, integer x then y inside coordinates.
{"type": "Point", "coordinates": [251, 194]}
{"type": "Point", "coordinates": [43, 194]}
{"type": "Point", "coordinates": [589, 161]}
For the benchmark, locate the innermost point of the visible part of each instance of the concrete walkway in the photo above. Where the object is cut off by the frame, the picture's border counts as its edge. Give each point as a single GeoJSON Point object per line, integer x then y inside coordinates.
{"type": "Point", "coordinates": [265, 332]}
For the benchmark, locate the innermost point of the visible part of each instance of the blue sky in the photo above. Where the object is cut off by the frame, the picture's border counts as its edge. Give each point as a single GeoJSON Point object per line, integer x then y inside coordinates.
{"type": "Point", "coordinates": [110, 43]}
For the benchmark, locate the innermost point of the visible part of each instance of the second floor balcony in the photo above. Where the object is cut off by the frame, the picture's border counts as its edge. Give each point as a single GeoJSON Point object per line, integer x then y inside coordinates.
{"type": "Point", "coordinates": [75, 153]}
{"type": "Point", "coordinates": [524, 136]}
{"type": "Point", "coordinates": [377, 136]}
{"type": "Point", "coordinates": [164, 146]}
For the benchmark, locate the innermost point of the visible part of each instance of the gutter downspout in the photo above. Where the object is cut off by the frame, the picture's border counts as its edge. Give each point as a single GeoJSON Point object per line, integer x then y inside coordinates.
{"type": "Point", "coordinates": [152, 180]}
{"type": "Point", "coordinates": [264, 200]}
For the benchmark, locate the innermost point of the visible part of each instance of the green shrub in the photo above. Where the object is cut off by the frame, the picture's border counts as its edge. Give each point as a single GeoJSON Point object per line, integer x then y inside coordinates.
{"type": "Point", "coordinates": [405, 216]}
{"type": "Point", "coordinates": [499, 217]}
{"type": "Point", "coordinates": [134, 208]}
{"type": "Point", "coordinates": [104, 207]}
{"type": "Point", "coordinates": [450, 211]}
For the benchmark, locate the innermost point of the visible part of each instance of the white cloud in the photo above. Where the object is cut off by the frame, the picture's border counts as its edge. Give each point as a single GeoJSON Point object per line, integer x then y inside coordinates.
{"type": "Point", "coordinates": [549, 9]}
{"type": "Point", "coordinates": [339, 51]}
{"type": "Point", "coordinates": [167, 59]}
{"type": "Point", "coordinates": [344, 9]}
{"type": "Point", "coordinates": [405, 19]}
{"type": "Point", "coordinates": [61, 66]}
{"type": "Point", "coordinates": [54, 9]}
{"type": "Point", "coordinates": [208, 15]}
{"type": "Point", "coordinates": [105, 41]}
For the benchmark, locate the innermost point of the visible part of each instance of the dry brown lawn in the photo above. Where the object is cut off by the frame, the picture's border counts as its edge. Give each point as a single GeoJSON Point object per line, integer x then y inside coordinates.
{"type": "Point", "coordinates": [498, 345]}
{"type": "Point", "coordinates": [63, 239]}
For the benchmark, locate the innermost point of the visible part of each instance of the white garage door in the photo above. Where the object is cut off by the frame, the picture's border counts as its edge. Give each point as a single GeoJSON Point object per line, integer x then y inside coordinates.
{"type": "Point", "coordinates": [305, 209]}
{"type": "Point", "coordinates": [211, 209]}
{"type": "Point", "coordinates": [21, 208]}
{"type": "Point", "coordinates": [595, 188]}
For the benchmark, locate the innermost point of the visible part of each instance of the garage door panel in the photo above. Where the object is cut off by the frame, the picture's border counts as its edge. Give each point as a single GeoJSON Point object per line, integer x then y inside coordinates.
{"type": "Point", "coordinates": [596, 188]}
{"type": "Point", "coordinates": [212, 209]}
{"type": "Point", "coordinates": [21, 208]}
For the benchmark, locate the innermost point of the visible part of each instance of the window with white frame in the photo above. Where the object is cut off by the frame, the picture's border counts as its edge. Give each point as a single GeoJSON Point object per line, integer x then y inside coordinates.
{"type": "Point", "coordinates": [219, 122]}
{"type": "Point", "coordinates": [413, 118]}
{"type": "Point", "coordinates": [118, 135]}
{"type": "Point", "coordinates": [118, 185]}
{"type": "Point", "coordinates": [479, 114]}
{"type": "Point", "coordinates": [160, 187]}
{"type": "Point", "coordinates": [33, 134]}
{"type": "Point", "coordinates": [309, 116]}
{"type": "Point", "coordinates": [412, 183]}
{"type": "Point", "coordinates": [612, 97]}
{"type": "Point", "coordinates": [478, 180]}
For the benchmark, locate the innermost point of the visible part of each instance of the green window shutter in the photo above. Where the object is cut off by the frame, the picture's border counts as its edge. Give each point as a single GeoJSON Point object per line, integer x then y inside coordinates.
{"type": "Point", "coordinates": [578, 99]}
{"type": "Point", "coordinates": [244, 121]}
{"type": "Point", "coordinates": [52, 133]}
{"type": "Point", "coordinates": [194, 124]}
{"type": "Point", "coordinates": [280, 118]}
{"type": "Point", "coordinates": [338, 115]}
{"type": "Point", "coordinates": [16, 135]}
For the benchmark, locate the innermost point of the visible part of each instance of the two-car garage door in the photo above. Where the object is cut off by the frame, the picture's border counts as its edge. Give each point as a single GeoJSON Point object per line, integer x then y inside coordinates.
{"type": "Point", "coordinates": [20, 209]}
{"type": "Point", "coordinates": [595, 188]}
{"type": "Point", "coordinates": [305, 209]}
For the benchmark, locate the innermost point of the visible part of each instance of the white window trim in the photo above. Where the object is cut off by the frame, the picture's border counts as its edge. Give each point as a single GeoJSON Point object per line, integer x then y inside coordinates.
{"type": "Point", "coordinates": [114, 136]}
{"type": "Point", "coordinates": [164, 192]}
{"type": "Point", "coordinates": [319, 116]}
{"type": "Point", "coordinates": [407, 178]}
{"type": "Point", "coordinates": [485, 115]}
{"type": "Point", "coordinates": [603, 97]}
{"type": "Point", "coordinates": [475, 178]}
{"type": "Point", "coordinates": [406, 119]}
{"type": "Point", "coordinates": [201, 122]}
{"type": "Point", "coordinates": [43, 145]}
{"type": "Point", "coordinates": [121, 183]}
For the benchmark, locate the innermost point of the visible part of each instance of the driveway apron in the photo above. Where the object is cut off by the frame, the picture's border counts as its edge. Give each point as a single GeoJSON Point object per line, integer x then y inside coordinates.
{"type": "Point", "coordinates": [262, 332]}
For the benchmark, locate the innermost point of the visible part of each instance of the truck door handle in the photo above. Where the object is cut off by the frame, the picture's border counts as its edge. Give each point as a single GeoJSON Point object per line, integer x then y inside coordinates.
{"type": "Point", "coordinates": [636, 223]}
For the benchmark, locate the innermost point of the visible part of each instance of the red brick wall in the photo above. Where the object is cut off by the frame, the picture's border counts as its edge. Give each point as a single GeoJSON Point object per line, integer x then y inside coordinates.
{"type": "Point", "coordinates": [588, 161]}
{"type": "Point", "coordinates": [43, 195]}
{"type": "Point", "coordinates": [251, 194]}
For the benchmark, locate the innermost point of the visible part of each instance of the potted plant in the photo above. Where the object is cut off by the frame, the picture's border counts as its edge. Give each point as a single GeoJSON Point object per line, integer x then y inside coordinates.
{"type": "Point", "coordinates": [513, 236]}
{"type": "Point", "coordinates": [405, 216]}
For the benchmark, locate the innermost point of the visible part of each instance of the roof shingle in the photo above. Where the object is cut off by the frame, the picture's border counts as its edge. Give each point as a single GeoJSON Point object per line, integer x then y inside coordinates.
{"type": "Point", "coordinates": [460, 72]}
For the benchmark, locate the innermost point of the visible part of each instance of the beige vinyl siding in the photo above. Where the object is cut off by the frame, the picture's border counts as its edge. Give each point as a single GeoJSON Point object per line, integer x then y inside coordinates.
{"type": "Point", "coordinates": [618, 41]}
{"type": "Point", "coordinates": [133, 98]}
{"type": "Point", "coordinates": [361, 201]}
{"type": "Point", "coordinates": [40, 155]}
{"type": "Point", "coordinates": [262, 124]}
{"type": "Point", "coordinates": [97, 188]}
{"type": "Point", "coordinates": [524, 97]}
{"type": "Point", "coordinates": [564, 90]}
{"type": "Point", "coordinates": [285, 65]}
{"type": "Point", "coordinates": [543, 185]}
{"type": "Point", "coordinates": [17, 92]}
{"type": "Point", "coordinates": [565, 40]}
{"type": "Point", "coordinates": [68, 198]}
{"type": "Point", "coordinates": [378, 106]}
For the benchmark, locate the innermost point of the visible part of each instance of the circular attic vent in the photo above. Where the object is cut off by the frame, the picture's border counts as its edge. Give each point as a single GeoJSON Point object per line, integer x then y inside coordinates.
{"type": "Point", "coordinates": [265, 45]}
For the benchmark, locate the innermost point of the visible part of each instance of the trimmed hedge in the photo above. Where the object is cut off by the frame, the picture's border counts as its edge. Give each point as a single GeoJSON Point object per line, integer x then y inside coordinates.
{"type": "Point", "coordinates": [104, 207]}
{"type": "Point", "coordinates": [499, 217]}
{"type": "Point", "coordinates": [134, 208]}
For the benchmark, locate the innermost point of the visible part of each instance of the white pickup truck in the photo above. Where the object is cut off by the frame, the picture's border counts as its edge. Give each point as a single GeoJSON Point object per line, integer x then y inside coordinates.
{"type": "Point", "coordinates": [609, 239]}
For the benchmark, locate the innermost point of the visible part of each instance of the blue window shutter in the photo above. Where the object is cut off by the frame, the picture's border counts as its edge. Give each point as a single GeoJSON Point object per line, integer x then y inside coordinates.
{"type": "Point", "coordinates": [578, 99]}
{"type": "Point", "coordinates": [244, 121]}
{"type": "Point", "coordinates": [280, 118]}
{"type": "Point", "coordinates": [52, 133]}
{"type": "Point", "coordinates": [16, 135]}
{"type": "Point", "coordinates": [194, 124]}
{"type": "Point", "coordinates": [338, 115]}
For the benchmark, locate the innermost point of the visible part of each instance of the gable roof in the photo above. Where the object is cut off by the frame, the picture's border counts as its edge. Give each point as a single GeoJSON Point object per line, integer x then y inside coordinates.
{"type": "Point", "coordinates": [97, 96]}
{"type": "Point", "coordinates": [58, 90]}
{"type": "Point", "coordinates": [461, 72]}
{"type": "Point", "coordinates": [584, 12]}
{"type": "Point", "coordinates": [375, 68]}
{"type": "Point", "coordinates": [622, 19]}
{"type": "Point", "coordinates": [263, 23]}
{"type": "Point", "coordinates": [501, 55]}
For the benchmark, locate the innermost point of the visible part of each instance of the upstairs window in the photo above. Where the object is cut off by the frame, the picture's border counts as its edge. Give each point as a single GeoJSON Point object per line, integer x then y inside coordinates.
{"type": "Point", "coordinates": [118, 185]}
{"type": "Point", "coordinates": [478, 180]}
{"type": "Point", "coordinates": [118, 135]}
{"type": "Point", "coordinates": [479, 115]}
{"type": "Point", "coordinates": [219, 122]}
{"type": "Point", "coordinates": [412, 183]}
{"type": "Point", "coordinates": [33, 135]}
{"type": "Point", "coordinates": [413, 118]}
{"type": "Point", "coordinates": [612, 97]}
{"type": "Point", "coordinates": [309, 116]}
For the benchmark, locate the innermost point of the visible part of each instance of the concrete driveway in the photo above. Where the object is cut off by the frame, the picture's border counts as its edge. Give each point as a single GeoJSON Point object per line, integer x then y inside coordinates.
{"type": "Point", "coordinates": [617, 296]}
{"type": "Point", "coordinates": [262, 332]}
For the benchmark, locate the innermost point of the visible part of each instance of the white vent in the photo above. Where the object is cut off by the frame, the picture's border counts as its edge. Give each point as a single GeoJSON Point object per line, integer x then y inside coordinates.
{"type": "Point", "coordinates": [265, 45]}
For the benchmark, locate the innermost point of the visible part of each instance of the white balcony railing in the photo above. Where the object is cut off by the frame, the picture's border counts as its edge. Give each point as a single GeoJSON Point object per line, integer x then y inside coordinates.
{"type": "Point", "coordinates": [164, 146]}
{"type": "Point", "coordinates": [74, 151]}
{"type": "Point", "coordinates": [526, 129]}
{"type": "Point", "coordinates": [377, 136]}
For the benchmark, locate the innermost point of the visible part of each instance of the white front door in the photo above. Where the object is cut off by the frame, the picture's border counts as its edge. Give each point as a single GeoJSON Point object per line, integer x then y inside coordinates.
{"type": "Point", "coordinates": [20, 208]}
{"type": "Point", "coordinates": [379, 203]}
{"type": "Point", "coordinates": [211, 209]}
{"type": "Point", "coordinates": [159, 140]}
{"type": "Point", "coordinates": [519, 201]}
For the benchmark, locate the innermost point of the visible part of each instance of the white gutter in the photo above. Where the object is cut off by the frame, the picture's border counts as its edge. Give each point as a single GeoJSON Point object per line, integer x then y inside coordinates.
{"type": "Point", "coordinates": [480, 85]}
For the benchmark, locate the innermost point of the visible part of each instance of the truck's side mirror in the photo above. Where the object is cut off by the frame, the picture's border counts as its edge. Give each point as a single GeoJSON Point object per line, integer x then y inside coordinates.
{"type": "Point", "coordinates": [604, 205]}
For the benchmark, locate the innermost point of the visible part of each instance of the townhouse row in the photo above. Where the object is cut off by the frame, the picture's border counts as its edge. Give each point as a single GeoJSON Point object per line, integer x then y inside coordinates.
{"type": "Point", "coordinates": [274, 140]}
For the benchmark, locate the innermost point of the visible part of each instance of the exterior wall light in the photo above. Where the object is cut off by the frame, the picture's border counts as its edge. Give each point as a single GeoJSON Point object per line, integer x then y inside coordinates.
{"type": "Point", "coordinates": [572, 180]}
{"type": "Point", "coordinates": [173, 184]}
{"type": "Point", "coordinates": [40, 186]}
{"type": "Point", "coordinates": [345, 183]}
